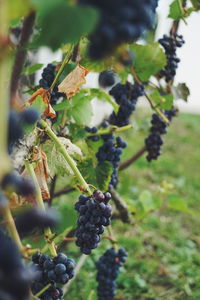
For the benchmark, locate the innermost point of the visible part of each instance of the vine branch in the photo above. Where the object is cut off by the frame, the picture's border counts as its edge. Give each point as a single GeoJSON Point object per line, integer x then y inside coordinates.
{"type": "Point", "coordinates": [27, 29]}
{"type": "Point", "coordinates": [10, 224]}
{"type": "Point", "coordinates": [131, 160]}
{"type": "Point", "coordinates": [156, 109]}
{"type": "Point", "coordinates": [121, 207]}
{"type": "Point", "coordinates": [61, 69]}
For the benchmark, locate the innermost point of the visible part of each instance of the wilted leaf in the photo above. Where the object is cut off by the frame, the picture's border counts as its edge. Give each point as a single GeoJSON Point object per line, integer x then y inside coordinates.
{"type": "Point", "coordinates": [41, 171]}
{"type": "Point", "coordinates": [49, 111]}
{"type": "Point", "coordinates": [149, 60]}
{"type": "Point", "coordinates": [181, 91]}
{"type": "Point", "coordinates": [74, 80]}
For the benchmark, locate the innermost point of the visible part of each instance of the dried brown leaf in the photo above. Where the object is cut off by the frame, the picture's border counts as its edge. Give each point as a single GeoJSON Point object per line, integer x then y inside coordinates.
{"type": "Point", "coordinates": [49, 111]}
{"type": "Point", "coordinates": [41, 171]}
{"type": "Point", "coordinates": [73, 81]}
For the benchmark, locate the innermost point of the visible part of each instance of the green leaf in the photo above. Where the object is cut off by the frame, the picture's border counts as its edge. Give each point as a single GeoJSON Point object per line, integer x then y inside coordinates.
{"type": "Point", "coordinates": [32, 69]}
{"type": "Point", "coordinates": [99, 176]}
{"type": "Point", "coordinates": [82, 111]}
{"type": "Point", "coordinates": [181, 91]}
{"type": "Point", "coordinates": [164, 101]}
{"type": "Point", "coordinates": [196, 4]}
{"type": "Point", "coordinates": [59, 165]}
{"type": "Point", "coordinates": [88, 171]}
{"type": "Point", "coordinates": [100, 94]}
{"type": "Point", "coordinates": [149, 60]}
{"type": "Point", "coordinates": [103, 175]}
{"type": "Point", "coordinates": [93, 66]}
{"type": "Point", "coordinates": [177, 203]}
{"type": "Point", "coordinates": [176, 10]}
{"type": "Point", "coordinates": [61, 23]}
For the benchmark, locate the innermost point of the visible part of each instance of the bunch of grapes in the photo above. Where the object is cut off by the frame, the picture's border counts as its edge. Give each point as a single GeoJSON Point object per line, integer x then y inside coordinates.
{"type": "Point", "coordinates": [154, 141]}
{"type": "Point", "coordinates": [58, 270]}
{"type": "Point", "coordinates": [126, 96]}
{"type": "Point", "coordinates": [111, 151]}
{"type": "Point", "coordinates": [170, 44]}
{"type": "Point", "coordinates": [48, 76]}
{"type": "Point", "coordinates": [15, 278]}
{"type": "Point", "coordinates": [108, 268]}
{"type": "Point", "coordinates": [94, 213]}
{"type": "Point", "coordinates": [120, 22]}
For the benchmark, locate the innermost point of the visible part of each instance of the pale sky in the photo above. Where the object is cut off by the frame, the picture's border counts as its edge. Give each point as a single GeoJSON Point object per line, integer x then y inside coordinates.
{"type": "Point", "coordinates": [189, 67]}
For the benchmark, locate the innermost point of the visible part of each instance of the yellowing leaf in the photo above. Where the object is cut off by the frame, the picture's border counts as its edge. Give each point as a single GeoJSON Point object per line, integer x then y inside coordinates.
{"type": "Point", "coordinates": [73, 81]}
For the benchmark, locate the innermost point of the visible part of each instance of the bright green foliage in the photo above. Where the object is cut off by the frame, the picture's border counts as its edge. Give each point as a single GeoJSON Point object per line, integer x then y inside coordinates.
{"type": "Point", "coordinates": [99, 176]}
{"type": "Point", "coordinates": [164, 101]}
{"type": "Point", "coordinates": [149, 60]}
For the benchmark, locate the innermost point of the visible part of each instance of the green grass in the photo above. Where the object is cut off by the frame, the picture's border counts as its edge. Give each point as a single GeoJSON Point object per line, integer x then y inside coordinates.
{"type": "Point", "coordinates": [163, 243]}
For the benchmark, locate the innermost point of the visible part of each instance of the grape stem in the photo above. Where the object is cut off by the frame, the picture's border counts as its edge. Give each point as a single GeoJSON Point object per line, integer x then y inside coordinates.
{"type": "Point", "coordinates": [111, 129]}
{"type": "Point", "coordinates": [156, 109]}
{"type": "Point", "coordinates": [27, 29]}
{"type": "Point", "coordinates": [121, 207]}
{"type": "Point", "coordinates": [10, 224]}
{"type": "Point", "coordinates": [43, 290]}
{"type": "Point", "coordinates": [61, 69]}
{"type": "Point", "coordinates": [66, 156]}
{"type": "Point", "coordinates": [132, 159]}
{"type": "Point", "coordinates": [40, 203]}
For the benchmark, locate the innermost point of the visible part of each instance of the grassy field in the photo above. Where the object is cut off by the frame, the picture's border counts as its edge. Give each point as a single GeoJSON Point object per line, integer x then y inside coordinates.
{"type": "Point", "coordinates": [163, 242]}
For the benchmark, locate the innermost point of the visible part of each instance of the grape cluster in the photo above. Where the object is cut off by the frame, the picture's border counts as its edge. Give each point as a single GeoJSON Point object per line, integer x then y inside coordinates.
{"type": "Point", "coordinates": [15, 278]}
{"type": "Point", "coordinates": [48, 76]}
{"type": "Point", "coordinates": [126, 96]}
{"type": "Point", "coordinates": [170, 44]}
{"type": "Point", "coordinates": [16, 123]}
{"type": "Point", "coordinates": [107, 79]}
{"type": "Point", "coordinates": [108, 268]}
{"type": "Point", "coordinates": [111, 151]}
{"type": "Point", "coordinates": [120, 22]}
{"type": "Point", "coordinates": [58, 270]}
{"type": "Point", "coordinates": [94, 214]}
{"type": "Point", "coordinates": [154, 141]}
